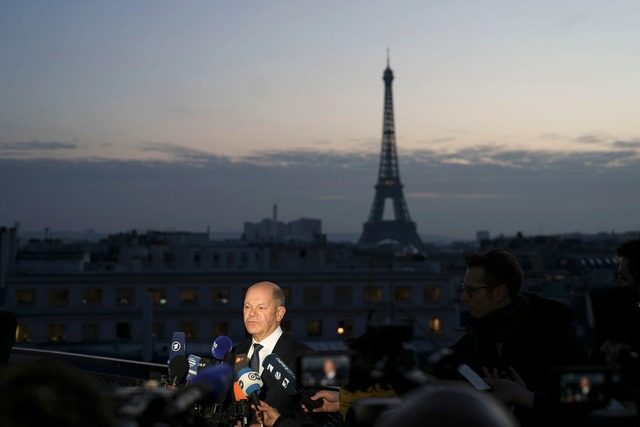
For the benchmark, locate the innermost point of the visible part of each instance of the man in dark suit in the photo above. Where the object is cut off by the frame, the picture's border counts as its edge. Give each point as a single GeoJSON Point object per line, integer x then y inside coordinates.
{"type": "Point", "coordinates": [264, 308]}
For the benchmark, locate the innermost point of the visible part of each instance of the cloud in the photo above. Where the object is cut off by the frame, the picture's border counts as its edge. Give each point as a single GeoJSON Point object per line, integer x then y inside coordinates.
{"type": "Point", "coordinates": [36, 146]}
{"type": "Point", "coordinates": [452, 194]}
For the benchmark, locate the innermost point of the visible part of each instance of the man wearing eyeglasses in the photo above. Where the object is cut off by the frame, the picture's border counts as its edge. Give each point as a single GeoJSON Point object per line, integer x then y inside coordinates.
{"type": "Point", "coordinates": [511, 329]}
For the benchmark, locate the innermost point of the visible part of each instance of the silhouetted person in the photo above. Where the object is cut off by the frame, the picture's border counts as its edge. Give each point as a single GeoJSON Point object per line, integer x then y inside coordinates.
{"type": "Point", "coordinates": [447, 404]}
{"type": "Point", "coordinates": [48, 393]}
{"type": "Point", "coordinates": [514, 330]}
{"type": "Point", "coordinates": [263, 310]}
{"type": "Point", "coordinates": [8, 326]}
{"type": "Point", "coordinates": [380, 362]}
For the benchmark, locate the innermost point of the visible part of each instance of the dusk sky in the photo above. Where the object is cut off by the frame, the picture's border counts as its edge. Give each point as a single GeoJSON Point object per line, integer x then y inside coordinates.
{"type": "Point", "coordinates": [186, 115]}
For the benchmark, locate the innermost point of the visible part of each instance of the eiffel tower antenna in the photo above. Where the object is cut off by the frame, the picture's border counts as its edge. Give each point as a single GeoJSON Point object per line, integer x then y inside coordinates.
{"type": "Point", "coordinates": [400, 232]}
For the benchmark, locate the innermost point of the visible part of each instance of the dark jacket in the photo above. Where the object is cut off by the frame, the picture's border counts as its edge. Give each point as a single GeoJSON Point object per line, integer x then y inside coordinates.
{"type": "Point", "coordinates": [288, 350]}
{"type": "Point", "coordinates": [535, 337]}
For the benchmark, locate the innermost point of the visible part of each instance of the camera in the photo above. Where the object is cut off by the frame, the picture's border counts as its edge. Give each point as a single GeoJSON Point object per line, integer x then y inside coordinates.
{"type": "Point", "coordinates": [583, 385]}
{"type": "Point", "coordinates": [325, 369]}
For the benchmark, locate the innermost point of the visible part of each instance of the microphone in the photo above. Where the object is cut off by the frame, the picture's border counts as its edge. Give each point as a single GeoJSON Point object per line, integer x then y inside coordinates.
{"type": "Point", "coordinates": [178, 366]}
{"type": "Point", "coordinates": [281, 373]}
{"type": "Point", "coordinates": [210, 386]}
{"type": "Point", "coordinates": [221, 345]}
{"type": "Point", "coordinates": [177, 348]}
{"type": "Point", "coordinates": [285, 376]}
{"type": "Point", "coordinates": [248, 379]}
{"type": "Point", "coordinates": [194, 365]}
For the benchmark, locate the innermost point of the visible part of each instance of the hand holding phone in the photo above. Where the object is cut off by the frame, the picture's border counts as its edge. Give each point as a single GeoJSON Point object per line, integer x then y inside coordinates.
{"type": "Point", "coordinates": [471, 376]}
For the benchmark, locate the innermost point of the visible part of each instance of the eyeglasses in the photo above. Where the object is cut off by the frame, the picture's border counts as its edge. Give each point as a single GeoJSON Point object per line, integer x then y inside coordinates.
{"type": "Point", "coordinates": [469, 291]}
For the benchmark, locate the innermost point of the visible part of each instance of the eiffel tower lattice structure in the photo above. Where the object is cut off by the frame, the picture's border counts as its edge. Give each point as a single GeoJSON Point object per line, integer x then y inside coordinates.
{"type": "Point", "coordinates": [401, 232]}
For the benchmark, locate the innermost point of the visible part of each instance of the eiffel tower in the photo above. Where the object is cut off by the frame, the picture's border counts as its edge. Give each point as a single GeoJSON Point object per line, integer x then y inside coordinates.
{"type": "Point", "coordinates": [401, 232]}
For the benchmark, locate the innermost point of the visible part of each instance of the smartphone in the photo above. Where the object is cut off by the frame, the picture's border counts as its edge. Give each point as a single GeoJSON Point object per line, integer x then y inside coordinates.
{"type": "Point", "coordinates": [471, 376]}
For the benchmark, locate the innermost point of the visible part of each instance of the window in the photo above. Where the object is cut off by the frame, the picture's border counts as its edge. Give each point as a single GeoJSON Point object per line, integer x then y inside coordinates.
{"type": "Point", "coordinates": [188, 296]}
{"type": "Point", "coordinates": [220, 296]}
{"type": "Point", "coordinates": [314, 328]}
{"type": "Point", "coordinates": [345, 328]}
{"type": "Point", "coordinates": [287, 294]}
{"type": "Point", "coordinates": [190, 329]}
{"type": "Point", "coordinates": [23, 332]}
{"type": "Point", "coordinates": [123, 330]}
{"type": "Point", "coordinates": [220, 328]}
{"type": "Point", "coordinates": [60, 296]}
{"type": "Point", "coordinates": [158, 330]}
{"type": "Point", "coordinates": [158, 296]}
{"type": "Point", "coordinates": [90, 332]}
{"type": "Point", "coordinates": [343, 295]}
{"type": "Point", "coordinates": [92, 296]}
{"type": "Point", "coordinates": [313, 295]}
{"type": "Point", "coordinates": [432, 293]}
{"type": "Point", "coordinates": [57, 332]}
{"type": "Point", "coordinates": [125, 296]}
{"type": "Point", "coordinates": [372, 294]}
{"type": "Point", "coordinates": [402, 293]}
{"type": "Point", "coordinates": [436, 326]}
{"type": "Point", "coordinates": [26, 297]}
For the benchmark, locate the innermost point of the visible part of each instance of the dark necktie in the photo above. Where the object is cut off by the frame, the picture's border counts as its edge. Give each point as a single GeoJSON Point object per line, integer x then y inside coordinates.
{"type": "Point", "coordinates": [254, 362]}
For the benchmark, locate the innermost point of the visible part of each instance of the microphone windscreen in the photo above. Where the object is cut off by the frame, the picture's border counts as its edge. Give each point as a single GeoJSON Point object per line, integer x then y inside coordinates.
{"type": "Point", "coordinates": [238, 393]}
{"type": "Point", "coordinates": [217, 380]}
{"type": "Point", "coordinates": [177, 347]}
{"type": "Point", "coordinates": [249, 381]}
{"type": "Point", "coordinates": [279, 370]}
{"type": "Point", "coordinates": [179, 366]}
{"type": "Point", "coordinates": [241, 362]}
{"type": "Point", "coordinates": [220, 346]}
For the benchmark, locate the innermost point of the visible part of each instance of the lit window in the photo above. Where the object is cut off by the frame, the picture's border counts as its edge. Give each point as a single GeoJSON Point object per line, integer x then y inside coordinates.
{"type": "Point", "coordinates": [92, 296]}
{"type": "Point", "coordinates": [158, 296]}
{"type": "Point", "coordinates": [372, 294]}
{"type": "Point", "coordinates": [436, 326]}
{"type": "Point", "coordinates": [402, 293]}
{"type": "Point", "coordinates": [188, 296]}
{"type": "Point", "coordinates": [220, 328]}
{"type": "Point", "coordinates": [432, 293]}
{"type": "Point", "coordinates": [220, 296]}
{"type": "Point", "coordinates": [190, 329]}
{"type": "Point", "coordinates": [23, 332]}
{"type": "Point", "coordinates": [26, 297]}
{"type": "Point", "coordinates": [125, 296]}
{"type": "Point", "coordinates": [314, 328]}
{"type": "Point", "coordinates": [57, 332]}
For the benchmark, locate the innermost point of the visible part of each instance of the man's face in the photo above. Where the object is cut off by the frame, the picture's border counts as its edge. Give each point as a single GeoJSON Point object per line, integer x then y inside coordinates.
{"type": "Point", "coordinates": [261, 314]}
{"type": "Point", "coordinates": [624, 275]}
{"type": "Point", "coordinates": [480, 302]}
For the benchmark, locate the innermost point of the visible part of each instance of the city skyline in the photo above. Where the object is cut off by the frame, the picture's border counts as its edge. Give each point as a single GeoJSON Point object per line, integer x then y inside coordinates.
{"type": "Point", "coordinates": [158, 115]}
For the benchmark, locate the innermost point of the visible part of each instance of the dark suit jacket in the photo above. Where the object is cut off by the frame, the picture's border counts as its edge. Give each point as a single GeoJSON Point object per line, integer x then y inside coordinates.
{"type": "Point", "coordinates": [288, 350]}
